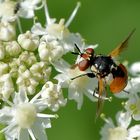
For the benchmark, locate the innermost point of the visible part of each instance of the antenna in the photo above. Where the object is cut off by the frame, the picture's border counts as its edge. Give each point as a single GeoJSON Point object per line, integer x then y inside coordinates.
{"type": "Point", "coordinates": [77, 53]}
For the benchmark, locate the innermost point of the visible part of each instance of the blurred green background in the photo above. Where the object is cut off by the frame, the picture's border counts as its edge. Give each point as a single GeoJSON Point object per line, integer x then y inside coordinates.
{"type": "Point", "coordinates": [106, 23]}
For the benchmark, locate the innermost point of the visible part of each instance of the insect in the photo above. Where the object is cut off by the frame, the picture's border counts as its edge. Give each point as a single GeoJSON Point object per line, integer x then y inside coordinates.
{"type": "Point", "coordinates": [105, 69]}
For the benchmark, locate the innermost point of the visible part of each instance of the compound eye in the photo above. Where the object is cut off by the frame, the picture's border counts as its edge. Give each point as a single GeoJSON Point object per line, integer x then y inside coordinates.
{"type": "Point", "coordinates": [83, 65]}
{"type": "Point", "coordinates": [90, 51]}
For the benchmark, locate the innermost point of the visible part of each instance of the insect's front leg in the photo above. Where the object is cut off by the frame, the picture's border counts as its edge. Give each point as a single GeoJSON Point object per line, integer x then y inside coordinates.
{"type": "Point", "coordinates": [90, 75]}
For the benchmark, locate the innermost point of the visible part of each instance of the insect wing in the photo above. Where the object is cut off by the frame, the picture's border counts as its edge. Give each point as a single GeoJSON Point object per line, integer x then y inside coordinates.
{"type": "Point", "coordinates": [102, 94]}
{"type": "Point", "coordinates": [121, 46]}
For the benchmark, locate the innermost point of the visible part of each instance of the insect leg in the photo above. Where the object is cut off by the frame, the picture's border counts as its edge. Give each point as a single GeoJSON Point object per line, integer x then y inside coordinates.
{"type": "Point", "coordinates": [91, 75]}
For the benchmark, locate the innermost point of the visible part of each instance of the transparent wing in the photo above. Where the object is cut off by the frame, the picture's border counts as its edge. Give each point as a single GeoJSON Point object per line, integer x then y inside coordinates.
{"type": "Point", "coordinates": [121, 46]}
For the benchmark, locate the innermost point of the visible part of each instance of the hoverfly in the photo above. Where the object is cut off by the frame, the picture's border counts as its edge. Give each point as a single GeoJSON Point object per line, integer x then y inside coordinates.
{"type": "Point", "coordinates": [102, 67]}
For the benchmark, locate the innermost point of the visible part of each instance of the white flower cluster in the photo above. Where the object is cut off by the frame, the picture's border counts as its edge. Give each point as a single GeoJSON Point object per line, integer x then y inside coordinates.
{"type": "Point", "coordinates": [27, 86]}
{"type": "Point", "coordinates": [27, 60]}
{"type": "Point", "coordinates": [124, 129]}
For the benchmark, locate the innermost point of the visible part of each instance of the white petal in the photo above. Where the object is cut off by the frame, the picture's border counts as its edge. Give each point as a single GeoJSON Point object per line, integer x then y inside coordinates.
{"type": "Point", "coordinates": [26, 13]}
{"type": "Point", "coordinates": [24, 135]}
{"type": "Point", "coordinates": [123, 119]}
{"type": "Point", "coordinates": [133, 106]}
{"type": "Point", "coordinates": [92, 85]}
{"type": "Point", "coordinates": [133, 85]}
{"type": "Point", "coordinates": [40, 105]}
{"type": "Point", "coordinates": [12, 132]}
{"type": "Point", "coordinates": [21, 97]}
{"type": "Point", "coordinates": [134, 131]}
{"type": "Point", "coordinates": [75, 38]}
{"type": "Point", "coordinates": [122, 95]}
{"type": "Point", "coordinates": [75, 94]}
{"type": "Point", "coordinates": [6, 115]}
{"type": "Point", "coordinates": [104, 130]}
{"type": "Point", "coordinates": [61, 66]}
{"type": "Point", "coordinates": [63, 80]}
{"type": "Point", "coordinates": [39, 131]}
{"type": "Point", "coordinates": [90, 96]}
{"type": "Point", "coordinates": [46, 123]}
{"type": "Point", "coordinates": [38, 29]}
{"type": "Point", "coordinates": [135, 68]}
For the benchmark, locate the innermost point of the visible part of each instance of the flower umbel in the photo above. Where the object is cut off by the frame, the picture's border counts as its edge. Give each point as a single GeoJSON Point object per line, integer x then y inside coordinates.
{"type": "Point", "coordinates": [34, 74]}
{"type": "Point", "coordinates": [26, 84]}
{"type": "Point", "coordinates": [24, 118]}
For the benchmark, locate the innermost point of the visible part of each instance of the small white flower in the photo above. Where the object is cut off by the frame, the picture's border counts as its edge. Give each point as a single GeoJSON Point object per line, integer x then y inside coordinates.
{"type": "Point", "coordinates": [41, 71]}
{"type": "Point", "coordinates": [26, 81]}
{"type": "Point", "coordinates": [27, 8]}
{"type": "Point", "coordinates": [7, 31]}
{"type": "Point", "coordinates": [50, 51]}
{"type": "Point", "coordinates": [64, 38]}
{"type": "Point", "coordinates": [4, 68]}
{"type": "Point", "coordinates": [28, 41]}
{"type": "Point", "coordinates": [13, 48]}
{"type": "Point", "coordinates": [23, 118]}
{"type": "Point", "coordinates": [52, 96]}
{"type": "Point", "coordinates": [6, 86]}
{"type": "Point", "coordinates": [57, 30]}
{"type": "Point", "coordinates": [7, 8]}
{"type": "Point", "coordinates": [77, 87]}
{"type": "Point", "coordinates": [27, 58]}
{"type": "Point", "coordinates": [135, 68]}
{"type": "Point", "coordinates": [120, 132]}
{"type": "Point", "coordinates": [133, 106]}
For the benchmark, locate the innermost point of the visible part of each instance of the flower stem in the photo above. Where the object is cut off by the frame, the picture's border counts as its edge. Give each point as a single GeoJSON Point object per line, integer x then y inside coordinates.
{"type": "Point", "coordinates": [19, 25]}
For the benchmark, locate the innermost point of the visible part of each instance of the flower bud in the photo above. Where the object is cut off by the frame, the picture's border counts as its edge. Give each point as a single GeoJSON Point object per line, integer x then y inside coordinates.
{"type": "Point", "coordinates": [52, 95]}
{"type": "Point", "coordinates": [13, 48]}
{"type": "Point", "coordinates": [43, 51]}
{"type": "Point", "coordinates": [50, 51]}
{"type": "Point", "coordinates": [41, 71]}
{"type": "Point", "coordinates": [6, 86]}
{"type": "Point", "coordinates": [7, 31]}
{"type": "Point", "coordinates": [7, 8]}
{"type": "Point", "coordinates": [28, 41]}
{"type": "Point", "coordinates": [27, 82]}
{"type": "Point", "coordinates": [27, 58]}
